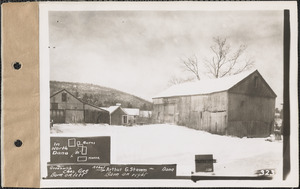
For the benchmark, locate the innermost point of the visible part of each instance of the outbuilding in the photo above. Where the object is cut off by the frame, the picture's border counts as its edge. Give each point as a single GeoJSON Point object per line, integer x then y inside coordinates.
{"type": "Point", "coordinates": [239, 105]}
{"type": "Point", "coordinates": [117, 115]}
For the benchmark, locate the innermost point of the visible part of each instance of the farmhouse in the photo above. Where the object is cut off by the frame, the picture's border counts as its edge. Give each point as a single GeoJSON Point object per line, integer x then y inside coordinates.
{"type": "Point", "coordinates": [67, 108]}
{"type": "Point", "coordinates": [239, 105]}
{"type": "Point", "coordinates": [132, 115]}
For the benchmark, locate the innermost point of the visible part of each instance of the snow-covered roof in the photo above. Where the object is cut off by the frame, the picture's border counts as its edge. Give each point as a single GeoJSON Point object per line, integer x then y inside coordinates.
{"type": "Point", "coordinates": [144, 113]}
{"type": "Point", "coordinates": [132, 111]}
{"type": "Point", "coordinates": [205, 86]}
{"type": "Point", "coordinates": [111, 109]}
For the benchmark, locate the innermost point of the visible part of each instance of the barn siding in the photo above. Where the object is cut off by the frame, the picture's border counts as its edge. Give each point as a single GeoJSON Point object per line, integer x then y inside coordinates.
{"type": "Point", "coordinates": [250, 116]}
{"type": "Point", "coordinates": [74, 116]}
{"type": "Point", "coordinates": [70, 103]}
{"type": "Point", "coordinates": [209, 112]}
{"type": "Point", "coordinates": [95, 115]}
{"type": "Point", "coordinates": [158, 109]}
{"type": "Point", "coordinates": [201, 112]}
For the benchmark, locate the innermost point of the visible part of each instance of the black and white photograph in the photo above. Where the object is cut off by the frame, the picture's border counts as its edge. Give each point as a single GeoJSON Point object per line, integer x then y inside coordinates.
{"type": "Point", "coordinates": [188, 95]}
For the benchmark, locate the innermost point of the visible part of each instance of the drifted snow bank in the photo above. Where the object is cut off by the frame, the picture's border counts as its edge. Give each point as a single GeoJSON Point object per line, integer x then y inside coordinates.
{"type": "Point", "coordinates": [171, 144]}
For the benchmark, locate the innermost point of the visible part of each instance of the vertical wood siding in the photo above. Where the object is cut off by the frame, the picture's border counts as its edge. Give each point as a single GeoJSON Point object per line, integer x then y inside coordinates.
{"type": "Point", "coordinates": [74, 116]}
{"type": "Point", "coordinates": [201, 112]}
{"type": "Point", "coordinates": [95, 115]}
{"type": "Point", "coordinates": [250, 116]}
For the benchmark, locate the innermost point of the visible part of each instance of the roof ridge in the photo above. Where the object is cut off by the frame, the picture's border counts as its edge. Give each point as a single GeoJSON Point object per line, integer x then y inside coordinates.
{"type": "Point", "coordinates": [205, 86]}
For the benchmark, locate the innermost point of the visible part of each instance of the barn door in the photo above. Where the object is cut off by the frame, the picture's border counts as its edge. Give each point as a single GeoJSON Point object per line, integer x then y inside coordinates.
{"type": "Point", "coordinates": [58, 116]}
{"type": "Point", "coordinates": [170, 113]}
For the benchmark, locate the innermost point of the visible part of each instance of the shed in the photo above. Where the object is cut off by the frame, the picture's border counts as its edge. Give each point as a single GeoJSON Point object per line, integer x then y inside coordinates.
{"type": "Point", "coordinates": [239, 105]}
{"type": "Point", "coordinates": [67, 108]}
{"type": "Point", "coordinates": [117, 115]}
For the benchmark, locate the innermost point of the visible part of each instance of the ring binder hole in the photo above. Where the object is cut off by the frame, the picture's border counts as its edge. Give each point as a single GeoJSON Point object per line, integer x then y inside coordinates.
{"type": "Point", "coordinates": [18, 143]}
{"type": "Point", "coordinates": [17, 65]}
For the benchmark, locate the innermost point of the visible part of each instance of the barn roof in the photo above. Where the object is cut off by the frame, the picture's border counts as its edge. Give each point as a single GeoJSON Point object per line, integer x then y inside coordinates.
{"type": "Point", "coordinates": [205, 86]}
{"type": "Point", "coordinates": [76, 98]}
{"type": "Point", "coordinates": [132, 111]}
{"type": "Point", "coordinates": [145, 113]}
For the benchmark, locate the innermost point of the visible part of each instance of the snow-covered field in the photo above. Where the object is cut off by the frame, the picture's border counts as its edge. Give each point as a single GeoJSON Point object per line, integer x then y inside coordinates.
{"type": "Point", "coordinates": [171, 144]}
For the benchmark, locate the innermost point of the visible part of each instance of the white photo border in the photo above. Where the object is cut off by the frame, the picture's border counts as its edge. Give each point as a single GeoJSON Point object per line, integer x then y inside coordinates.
{"type": "Point", "coordinates": [45, 7]}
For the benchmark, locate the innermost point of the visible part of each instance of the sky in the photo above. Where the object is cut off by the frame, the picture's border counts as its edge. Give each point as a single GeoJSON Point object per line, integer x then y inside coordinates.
{"type": "Point", "coordinates": [139, 51]}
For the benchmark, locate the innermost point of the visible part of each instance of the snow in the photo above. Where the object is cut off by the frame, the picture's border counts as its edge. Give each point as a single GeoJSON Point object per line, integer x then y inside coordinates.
{"type": "Point", "coordinates": [171, 144]}
{"type": "Point", "coordinates": [144, 113]}
{"type": "Point", "coordinates": [111, 109]}
{"type": "Point", "coordinates": [204, 86]}
{"type": "Point", "coordinates": [132, 111]}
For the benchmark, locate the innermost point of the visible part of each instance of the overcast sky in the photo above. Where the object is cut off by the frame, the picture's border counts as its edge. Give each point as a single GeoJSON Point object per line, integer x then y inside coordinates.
{"type": "Point", "coordinates": [139, 51]}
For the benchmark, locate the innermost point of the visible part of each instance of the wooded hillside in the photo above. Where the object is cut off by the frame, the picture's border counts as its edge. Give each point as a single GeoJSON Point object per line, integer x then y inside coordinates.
{"type": "Point", "coordinates": [100, 96]}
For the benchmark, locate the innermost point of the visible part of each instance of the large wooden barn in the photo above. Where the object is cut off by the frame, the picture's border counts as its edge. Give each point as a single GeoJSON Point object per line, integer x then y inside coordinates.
{"type": "Point", "coordinates": [66, 108]}
{"type": "Point", "coordinates": [239, 105]}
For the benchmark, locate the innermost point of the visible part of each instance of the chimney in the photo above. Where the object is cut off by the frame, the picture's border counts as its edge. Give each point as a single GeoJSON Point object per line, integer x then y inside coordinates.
{"type": "Point", "coordinates": [118, 104]}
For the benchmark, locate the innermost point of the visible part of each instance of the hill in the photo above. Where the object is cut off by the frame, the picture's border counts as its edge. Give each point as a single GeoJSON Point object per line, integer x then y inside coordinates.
{"type": "Point", "coordinates": [100, 96]}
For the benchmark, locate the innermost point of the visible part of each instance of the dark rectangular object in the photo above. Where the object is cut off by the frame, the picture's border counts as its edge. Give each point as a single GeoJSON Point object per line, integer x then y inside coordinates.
{"type": "Point", "coordinates": [80, 149]}
{"type": "Point", "coordinates": [204, 163]}
{"type": "Point", "coordinates": [286, 94]}
{"type": "Point", "coordinates": [102, 171]}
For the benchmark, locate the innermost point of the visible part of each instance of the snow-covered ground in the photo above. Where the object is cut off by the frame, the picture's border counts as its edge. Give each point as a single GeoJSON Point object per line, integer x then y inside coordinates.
{"type": "Point", "coordinates": [171, 144]}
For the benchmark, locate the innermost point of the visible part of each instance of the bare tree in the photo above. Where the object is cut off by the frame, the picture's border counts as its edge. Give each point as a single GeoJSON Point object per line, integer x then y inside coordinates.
{"type": "Point", "coordinates": [191, 65]}
{"type": "Point", "coordinates": [224, 61]}
{"type": "Point", "coordinates": [177, 80]}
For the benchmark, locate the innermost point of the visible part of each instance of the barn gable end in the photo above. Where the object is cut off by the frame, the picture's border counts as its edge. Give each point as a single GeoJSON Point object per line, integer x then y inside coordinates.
{"type": "Point", "coordinates": [251, 107]}
{"type": "Point", "coordinates": [67, 108]}
{"type": "Point", "coordinates": [65, 100]}
{"type": "Point", "coordinates": [253, 85]}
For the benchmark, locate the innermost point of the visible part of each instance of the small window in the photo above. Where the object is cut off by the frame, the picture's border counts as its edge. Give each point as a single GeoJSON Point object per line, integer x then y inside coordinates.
{"type": "Point", "coordinates": [200, 115]}
{"type": "Point", "coordinates": [124, 119]}
{"type": "Point", "coordinates": [64, 97]}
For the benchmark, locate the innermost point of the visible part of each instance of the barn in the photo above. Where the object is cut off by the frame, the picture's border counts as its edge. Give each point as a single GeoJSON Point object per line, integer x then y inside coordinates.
{"type": "Point", "coordinates": [241, 105]}
{"type": "Point", "coordinates": [67, 108]}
